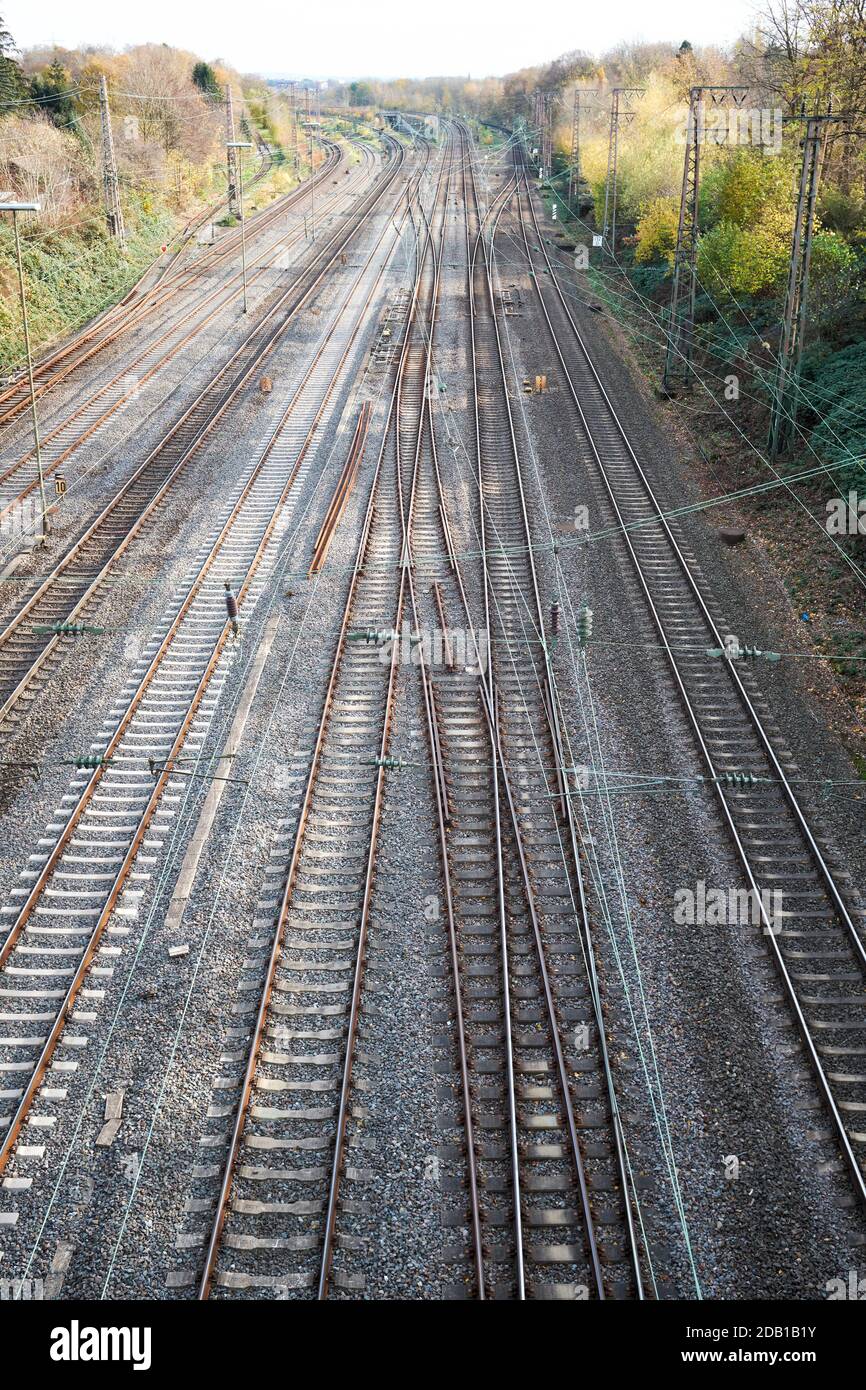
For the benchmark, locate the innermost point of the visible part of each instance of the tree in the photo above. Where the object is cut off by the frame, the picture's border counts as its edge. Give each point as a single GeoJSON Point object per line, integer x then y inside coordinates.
{"type": "Point", "coordinates": [361, 94]}
{"type": "Point", "coordinates": [42, 164]}
{"type": "Point", "coordinates": [205, 79]}
{"type": "Point", "coordinates": [50, 89]}
{"type": "Point", "coordinates": [656, 236]}
{"type": "Point", "coordinates": [169, 105]}
{"type": "Point", "coordinates": [11, 81]}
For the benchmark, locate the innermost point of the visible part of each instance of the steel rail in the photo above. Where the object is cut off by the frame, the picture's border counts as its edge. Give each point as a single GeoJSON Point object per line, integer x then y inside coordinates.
{"type": "Point", "coordinates": [89, 791]}
{"type": "Point", "coordinates": [40, 882]}
{"type": "Point", "coordinates": [59, 351]}
{"type": "Point", "coordinates": [129, 315]}
{"type": "Point", "coordinates": [342, 492]}
{"type": "Point", "coordinates": [325, 260]}
{"type": "Point", "coordinates": [443, 815]}
{"type": "Point", "coordinates": [223, 293]}
{"type": "Point", "coordinates": [247, 1083]}
{"type": "Point", "coordinates": [43, 1061]}
{"type": "Point", "coordinates": [406, 517]}
{"type": "Point", "coordinates": [555, 728]}
{"type": "Point", "coordinates": [550, 711]}
{"type": "Point", "coordinates": [492, 700]}
{"type": "Point", "coordinates": [489, 704]}
{"type": "Point", "coordinates": [801, 822]}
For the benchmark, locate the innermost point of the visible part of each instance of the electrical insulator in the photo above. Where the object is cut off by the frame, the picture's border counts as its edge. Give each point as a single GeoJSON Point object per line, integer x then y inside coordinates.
{"type": "Point", "coordinates": [554, 624]}
{"type": "Point", "coordinates": [584, 625]}
{"type": "Point", "coordinates": [232, 607]}
{"type": "Point", "coordinates": [370, 635]}
{"type": "Point", "coordinates": [88, 760]}
{"type": "Point", "coordinates": [68, 629]}
{"type": "Point", "coordinates": [743, 653]}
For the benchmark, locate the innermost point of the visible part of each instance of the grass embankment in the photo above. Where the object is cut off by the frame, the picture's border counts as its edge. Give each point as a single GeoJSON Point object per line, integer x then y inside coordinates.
{"type": "Point", "coordinates": [72, 273]}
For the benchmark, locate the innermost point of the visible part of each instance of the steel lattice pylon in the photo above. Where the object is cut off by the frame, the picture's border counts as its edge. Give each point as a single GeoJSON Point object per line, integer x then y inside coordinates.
{"type": "Point", "coordinates": [783, 416]}
{"type": "Point", "coordinates": [110, 183]}
{"type": "Point", "coordinates": [231, 157]}
{"type": "Point", "coordinates": [681, 326]}
{"type": "Point", "coordinates": [608, 233]}
{"type": "Point", "coordinates": [574, 166]}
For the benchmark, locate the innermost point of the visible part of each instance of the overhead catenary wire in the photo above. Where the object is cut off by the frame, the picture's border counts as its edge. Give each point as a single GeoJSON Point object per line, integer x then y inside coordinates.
{"type": "Point", "coordinates": [651, 1069]}
{"type": "Point", "coordinates": [823, 465]}
{"type": "Point", "coordinates": [525, 615]}
{"type": "Point", "coordinates": [658, 315]}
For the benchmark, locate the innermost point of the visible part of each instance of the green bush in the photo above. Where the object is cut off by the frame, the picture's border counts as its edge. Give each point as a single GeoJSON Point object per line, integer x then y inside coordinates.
{"type": "Point", "coordinates": [842, 213]}
{"type": "Point", "coordinates": [833, 269]}
{"type": "Point", "coordinates": [656, 234]}
{"type": "Point", "coordinates": [73, 273]}
{"type": "Point", "coordinates": [733, 260]}
{"type": "Point", "coordinates": [834, 387]}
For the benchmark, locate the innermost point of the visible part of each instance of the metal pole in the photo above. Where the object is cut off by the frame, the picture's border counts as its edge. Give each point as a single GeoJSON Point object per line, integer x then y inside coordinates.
{"type": "Point", "coordinates": [610, 182]}
{"type": "Point", "coordinates": [612, 154]}
{"type": "Point", "coordinates": [110, 182]}
{"type": "Point", "coordinates": [233, 146]}
{"type": "Point", "coordinates": [681, 317]}
{"type": "Point", "coordinates": [574, 172]}
{"type": "Point", "coordinates": [293, 125]}
{"type": "Point", "coordinates": [783, 415]}
{"type": "Point", "coordinates": [312, 169]}
{"type": "Point", "coordinates": [37, 441]}
{"type": "Point", "coordinates": [679, 349]}
{"type": "Point", "coordinates": [243, 229]}
{"type": "Point", "coordinates": [231, 156]}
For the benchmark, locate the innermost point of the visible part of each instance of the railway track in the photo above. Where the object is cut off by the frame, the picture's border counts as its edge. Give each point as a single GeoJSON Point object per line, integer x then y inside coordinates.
{"type": "Point", "coordinates": [64, 596]}
{"type": "Point", "coordinates": [294, 1142]}
{"type": "Point", "coordinates": [61, 443]}
{"type": "Point", "coordinates": [538, 1189]}
{"type": "Point", "coordinates": [531, 1208]}
{"type": "Point", "coordinates": [69, 916]}
{"type": "Point", "coordinates": [815, 938]}
{"type": "Point", "coordinates": [475, 1047]}
{"type": "Point", "coordinates": [109, 328]}
{"type": "Point", "coordinates": [541, 1147]}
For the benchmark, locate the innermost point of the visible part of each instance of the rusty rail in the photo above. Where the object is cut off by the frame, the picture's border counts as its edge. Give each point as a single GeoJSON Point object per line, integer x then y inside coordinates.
{"type": "Point", "coordinates": [343, 490]}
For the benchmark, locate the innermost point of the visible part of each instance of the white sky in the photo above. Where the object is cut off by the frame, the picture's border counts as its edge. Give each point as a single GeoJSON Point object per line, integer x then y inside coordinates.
{"type": "Point", "coordinates": [383, 38]}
